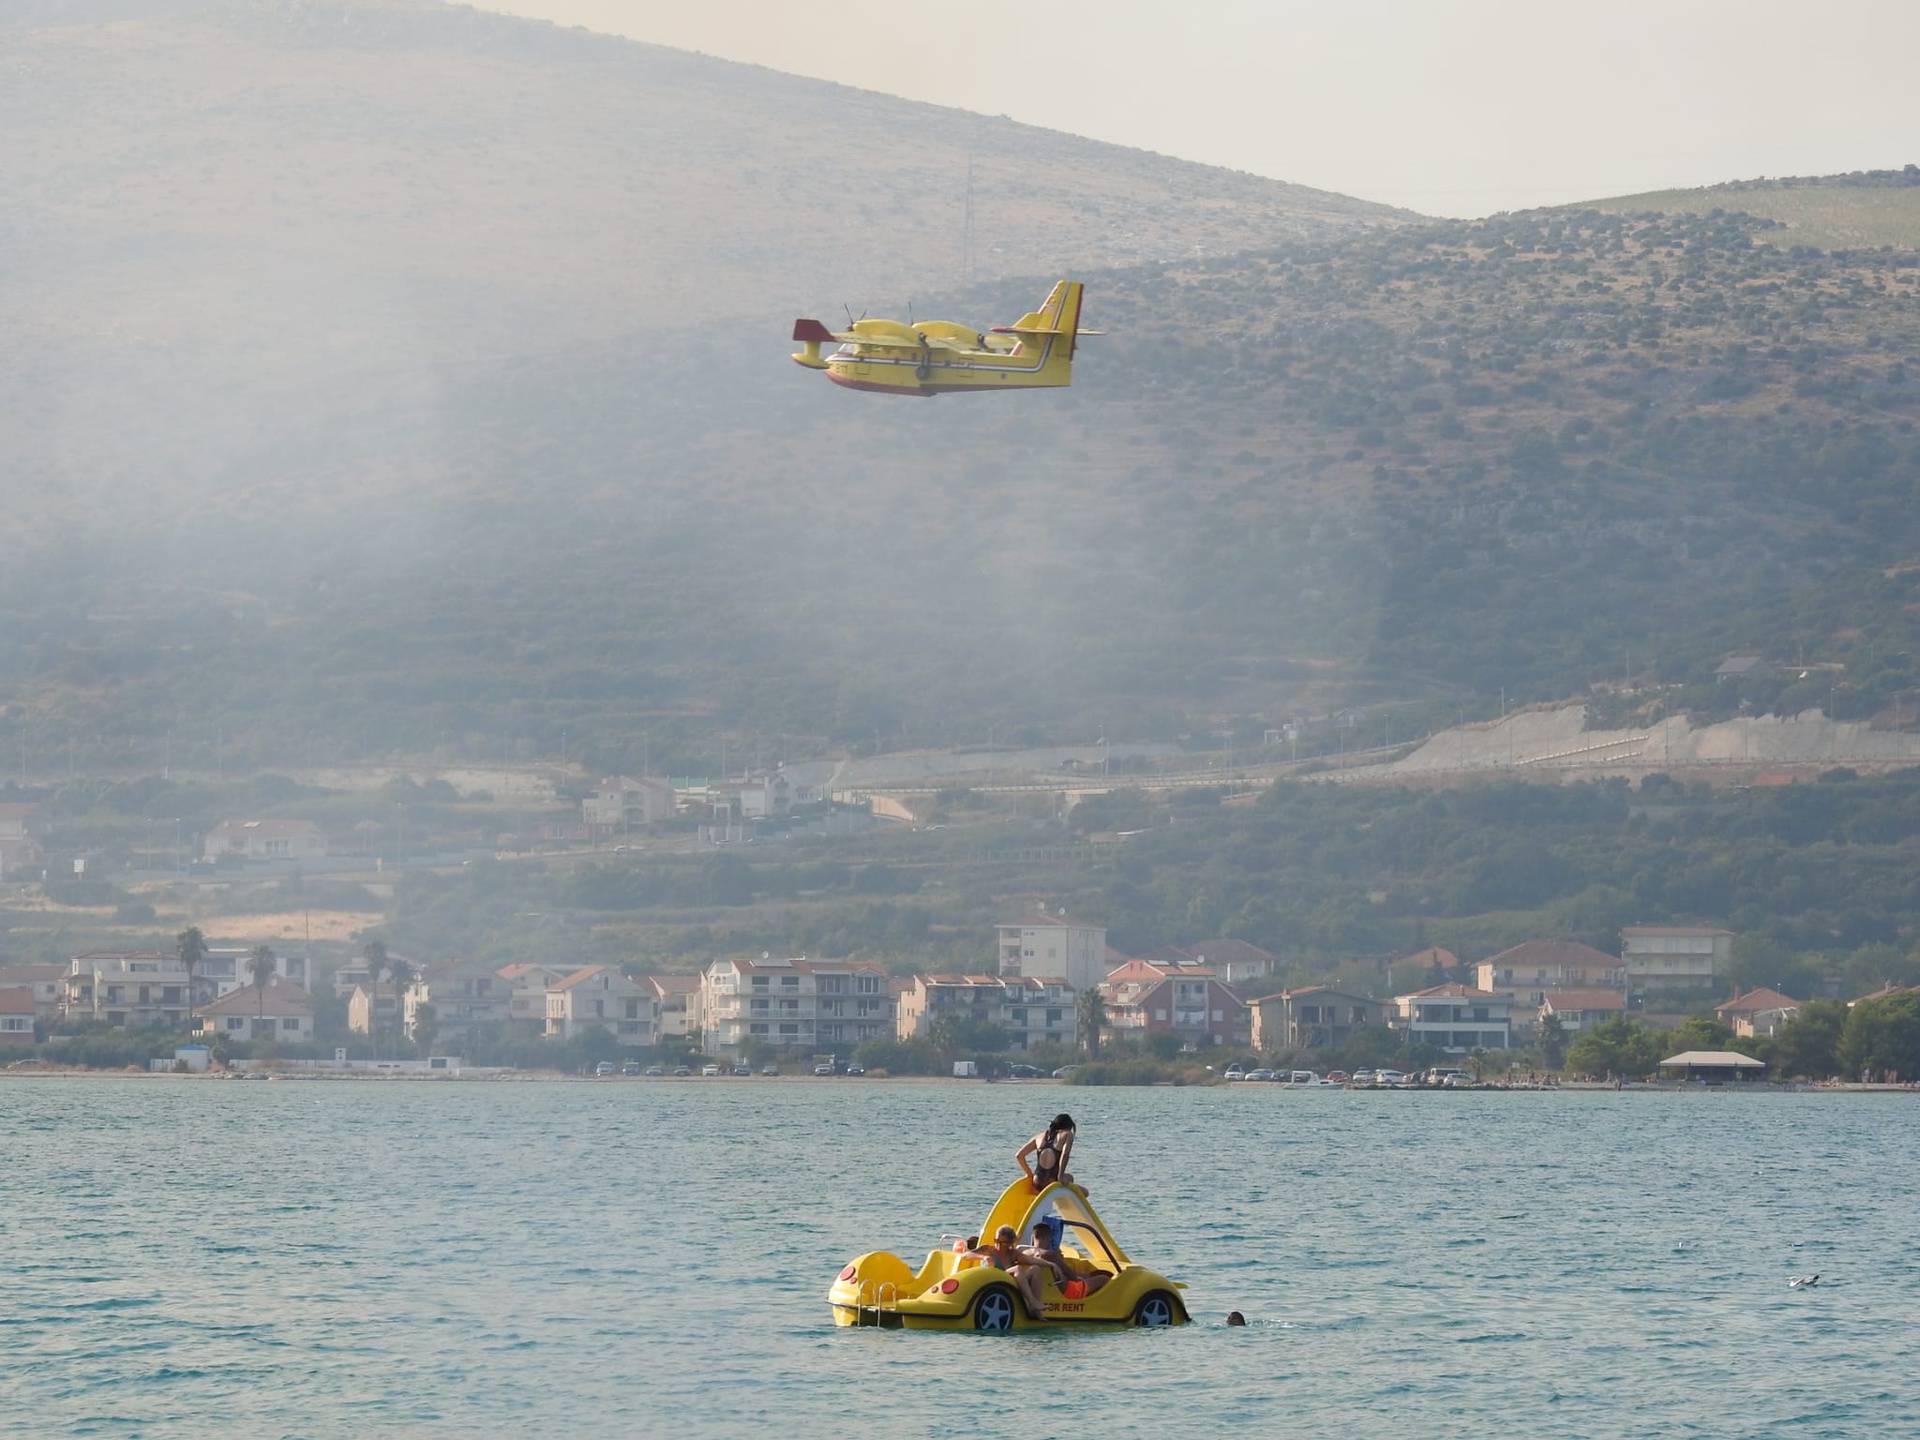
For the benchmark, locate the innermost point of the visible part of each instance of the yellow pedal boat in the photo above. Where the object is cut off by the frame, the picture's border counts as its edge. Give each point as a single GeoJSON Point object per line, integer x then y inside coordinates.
{"type": "Point", "coordinates": [956, 1292]}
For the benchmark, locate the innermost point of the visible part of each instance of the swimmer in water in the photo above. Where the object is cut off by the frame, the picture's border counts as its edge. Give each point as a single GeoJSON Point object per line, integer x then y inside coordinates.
{"type": "Point", "coordinates": [1234, 1317]}
{"type": "Point", "coordinates": [1805, 1282]}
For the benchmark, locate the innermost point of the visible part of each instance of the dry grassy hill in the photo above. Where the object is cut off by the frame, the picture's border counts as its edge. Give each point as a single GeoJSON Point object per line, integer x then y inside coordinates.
{"type": "Point", "coordinates": [1862, 210]}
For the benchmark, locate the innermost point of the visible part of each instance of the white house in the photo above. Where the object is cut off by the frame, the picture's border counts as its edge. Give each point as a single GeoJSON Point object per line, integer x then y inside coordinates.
{"type": "Point", "coordinates": [602, 997]}
{"type": "Point", "coordinates": [264, 840]}
{"type": "Point", "coordinates": [621, 803]}
{"type": "Point", "coordinates": [529, 981]}
{"type": "Point", "coordinates": [226, 967]}
{"type": "Point", "coordinates": [1455, 1018]}
{"type": "Point", "coordinates": [279, 1011]}
{"type": "Point", "coordinates": [1052, 947]}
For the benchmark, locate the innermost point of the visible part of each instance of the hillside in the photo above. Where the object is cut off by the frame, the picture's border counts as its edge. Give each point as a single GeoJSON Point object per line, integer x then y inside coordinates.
{"type": "Point", "coordinates": [1831, 212]}
{"type": "Point", "coordinates": [457, 482]}
{"type": "Point", "coordinates": [223, 217]}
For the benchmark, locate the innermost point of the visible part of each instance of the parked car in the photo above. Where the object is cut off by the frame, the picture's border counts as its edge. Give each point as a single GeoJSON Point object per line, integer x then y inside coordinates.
{"type": "Point", "coordinates": [709, 1069]}
{"type": "Point", "coordinates": [1337, 1077]}
{"type": "Point", "coordinates": [1363, 1079]}
{"type": "Point", "coordinates": [1234, 1072]}
{"type": "Point", "coordinates": [769, 1069]}
{"type": "Point", "coordinates": [856, 1070]}
{"type": "Point", "coordinates": [603, 1069]}
{"type": "Point", "coordinates": [656, 1070]}
{"type": "Point", "coordinates": [1388, 1078]}
{"type": "Point", "coordinates": [823, 1068]}
{"type": "Point", "coordinates": [1459, 1080]}
{"type": "Point", "coordinates": [1261, 1074]}
{"type": "Point", "coordinates": [681, 1070]}
{"type": "Point", "coordinates": [1018, 1071]}
{"type": "Point", "coordinates": [1064, 1071]}
{"type": "Point", "coordinates": [743, 1069]}
{"type": "Point", "coordinates": [632, 1067]}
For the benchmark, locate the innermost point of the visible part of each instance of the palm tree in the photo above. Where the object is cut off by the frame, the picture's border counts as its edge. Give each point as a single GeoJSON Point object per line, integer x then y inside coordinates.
{"type": "Point", "coordinates": [1092, 1019]}
{"type": "Point", "coordinates": [402, 975]}
{"type": "Point", "coordinates": [260, 971]}
{"type": "Point", "coordinates": [193, 954]}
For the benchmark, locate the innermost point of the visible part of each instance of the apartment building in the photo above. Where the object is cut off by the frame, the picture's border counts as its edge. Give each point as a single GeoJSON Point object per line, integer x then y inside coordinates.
{"type": "Point", "coordinates": [1311, 1016]}
{"type": "Point", "coordinates": [129, 989]}
{"type": "Point", "coordinates": [1528, 971]}
{"type": "Point", "coordinates": [1052, 947]}
{"type": "Point", "coordinates": [1032, 1012]}
{"type": "Point", "coordinates": [374, 1009]}
{"type": "Point", "coordinates": [676, 1000]}
{"type": "Point", "coordinates": [1664, 959]}
{"type": "Point", "coordinates": [467, 1000]}
{"type": "Point", "coordinates": [1147, 997]}
{"type": "Point", "coordinates": [603, 998]}
{"type": "Point", "coordinates": [794, 1004]}
{"type": "Point", "coordinates": [1577, 1010]}
{"type": "Point", "coordinates": [1455, 1018]}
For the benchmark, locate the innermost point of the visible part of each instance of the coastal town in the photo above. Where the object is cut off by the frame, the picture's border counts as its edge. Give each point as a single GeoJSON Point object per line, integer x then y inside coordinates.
{"type": "Point", "coordinates": [1054, 991]}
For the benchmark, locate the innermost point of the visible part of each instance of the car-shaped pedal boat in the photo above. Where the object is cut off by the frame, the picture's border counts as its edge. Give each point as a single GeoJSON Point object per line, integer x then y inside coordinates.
{"type": "Point", "coordinates": [962, 1292]}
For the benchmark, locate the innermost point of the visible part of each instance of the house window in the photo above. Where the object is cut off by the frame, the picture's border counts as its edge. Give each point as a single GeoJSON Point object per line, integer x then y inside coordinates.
{"type": "Point", "coordinates": [789, 982]}
{"type": "Point", "coordinates": [789, 1029]}
{"type": "Point", "coordinates": [235, 1022]}
{"type": "Point", "coordinates": [290, 1024]}
{"type": "Point", "coordinates": [760, 982]}
{"type": "Point", "coordinates": [1053, 1017]}
{"type": "Point", "coordinates": [756, 1029]}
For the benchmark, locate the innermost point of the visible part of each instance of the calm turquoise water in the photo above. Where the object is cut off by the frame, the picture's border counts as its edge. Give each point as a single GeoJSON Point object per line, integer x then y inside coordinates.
{"type": "Point", "coordinates": [360, 1259]}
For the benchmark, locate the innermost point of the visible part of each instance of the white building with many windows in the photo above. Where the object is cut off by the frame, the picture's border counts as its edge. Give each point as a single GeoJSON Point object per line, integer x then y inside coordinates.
{"type": "Point", "coordinates": [602, 997]}
{"type": "Point", "coordinates": [1052, 947]}
{"type": "Point", "coordinates": [1666, 958]}
{"type": "Point", "coordinates": [794, 1004]}
{"type": "Point", "coordinates": [1455, 1018]}
{"type": "Point", "coordinates": [1031, 1011]}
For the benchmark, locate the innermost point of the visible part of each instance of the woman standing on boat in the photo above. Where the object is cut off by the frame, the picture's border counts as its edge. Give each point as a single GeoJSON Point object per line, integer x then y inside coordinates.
{"type": "Point", "coordinates": [1050, 1150]}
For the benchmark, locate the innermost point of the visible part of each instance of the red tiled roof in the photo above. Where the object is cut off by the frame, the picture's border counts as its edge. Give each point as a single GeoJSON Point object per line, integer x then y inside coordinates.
{"type": "Point", "coordinates": [282, 998]}
{"type": "Point", "coordinates": [18, 1001]}
{"type": "Point", "coordinates": [673, 984]}
{"type": "Point", "coordinates": [1464, 992]}
{"type": "Point", "coordinates": [579, 977]}
{"type": "Point", "coordinates": [1564, 1002]}
{"type": "Point", "coordinates": [1757, 999]}
{"type": "Point", "coordinates": [1885, 992]}
{"type": "Point", "coordinates": [31, 974]}
{"type": "Point", "coordinates": [1555, 952]}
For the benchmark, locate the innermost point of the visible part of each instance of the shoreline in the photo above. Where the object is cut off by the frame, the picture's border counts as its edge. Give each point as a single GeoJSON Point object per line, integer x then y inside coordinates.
{"type": "Point", "coordinates": [485, 1075]}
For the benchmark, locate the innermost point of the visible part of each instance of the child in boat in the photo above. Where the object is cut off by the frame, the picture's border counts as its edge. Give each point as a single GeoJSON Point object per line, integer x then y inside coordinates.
{"type": "Point", "coordinates": [1050, 1149]}
{"type": "Point", "coordinates": [1045, 1250]}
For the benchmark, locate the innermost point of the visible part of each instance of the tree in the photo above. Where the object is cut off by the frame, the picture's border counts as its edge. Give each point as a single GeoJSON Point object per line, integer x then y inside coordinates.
{"type": "Point", "coordinates": [1809, 1043]}
{"type": "Point", "coordinates": [1553, 1042]}
{"type": "Point", "coordinates": [375, 954]}
{"type": "Point", "coordinates": [193, 954]}
{"type": "Point", "coordinates": [1700, 1033]}
{"type": "Point", "coordinates": [426, 1025]}
{"type": "Point", "coordinates": [1616, 1047]}
{"type": "Point", "coordinates": [260, 972]}
{"type": "Point", "coordinates": [400, 975]}
{"type": "Point", "coordinates": [1883, 1037]}
{"type": "Point", "coordinates": [1091, 1017]}
{"type": "Point", "coordinates": [958, 1034]}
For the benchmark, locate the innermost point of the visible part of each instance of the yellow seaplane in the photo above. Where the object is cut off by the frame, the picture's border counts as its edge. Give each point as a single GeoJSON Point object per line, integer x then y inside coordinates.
{"type": "Point", "coordinates": [936, 357]}
{"type": "Point", "coordinates": [960, 1291]}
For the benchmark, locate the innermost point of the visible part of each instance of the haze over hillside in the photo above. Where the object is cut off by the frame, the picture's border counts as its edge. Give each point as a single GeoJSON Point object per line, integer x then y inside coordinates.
{"type": "Point", "coordinates": [385, 400]}
{"type": "Point", "coordinates": [1860, 210]}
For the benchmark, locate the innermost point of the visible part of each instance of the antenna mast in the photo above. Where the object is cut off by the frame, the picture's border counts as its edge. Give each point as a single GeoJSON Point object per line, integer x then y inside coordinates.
{"type": "Point", "coordinates": [966, 243]}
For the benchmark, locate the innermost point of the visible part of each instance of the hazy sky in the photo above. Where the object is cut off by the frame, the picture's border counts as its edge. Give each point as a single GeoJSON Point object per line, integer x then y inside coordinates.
{"type": "Point", "coordinates": [1457, 107]}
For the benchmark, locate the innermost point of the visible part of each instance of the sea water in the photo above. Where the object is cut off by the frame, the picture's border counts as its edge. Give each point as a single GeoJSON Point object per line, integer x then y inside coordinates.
{"type": "Point", "coordinates": [189, 1257]}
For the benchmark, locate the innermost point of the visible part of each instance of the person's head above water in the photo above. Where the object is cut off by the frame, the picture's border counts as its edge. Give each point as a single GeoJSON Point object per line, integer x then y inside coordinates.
{"type": "Point", "coordinates": [1234, 1317]}
{"type": "Point", "coordinates": [1062, 1121]}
